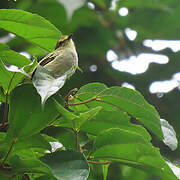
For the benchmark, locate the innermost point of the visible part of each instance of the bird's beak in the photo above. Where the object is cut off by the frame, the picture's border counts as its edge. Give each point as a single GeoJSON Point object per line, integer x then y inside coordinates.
{"type": "Point", "coordinates": [70, 36]}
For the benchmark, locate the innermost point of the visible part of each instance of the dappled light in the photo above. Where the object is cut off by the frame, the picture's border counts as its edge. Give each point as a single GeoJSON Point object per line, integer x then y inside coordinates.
{"type": "Point", "coordinates": [123, 11]}
{"type": "Point", "coordinates": [136, 64]}
{"type": "Point", "coordinates": [126, 84]}
{"type": "Point", "coordinates": [131, 34]}
{"type": "Point", "coordinates": [158, 45]}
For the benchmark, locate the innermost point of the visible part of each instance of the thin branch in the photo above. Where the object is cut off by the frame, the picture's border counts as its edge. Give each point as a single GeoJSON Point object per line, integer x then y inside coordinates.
{"type": "Point", "coordinates": [71, 93]}
{"type": "Point", "coordinates": [4, 124]}
{"type": "Point", "coordinates": [84, 102]}
{"type": "Point", "coordinates": [95, 162]}
{"type": "Point", "coordinates": [7, 154]}
{"type": "Point", "coordinates": [6, 176]}
{"type": "Point", "coordinates": [81, 101]}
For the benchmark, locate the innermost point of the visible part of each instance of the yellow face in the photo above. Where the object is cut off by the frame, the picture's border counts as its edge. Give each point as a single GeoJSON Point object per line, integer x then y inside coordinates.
{"type": "Point", "coordinates": [63, 41]}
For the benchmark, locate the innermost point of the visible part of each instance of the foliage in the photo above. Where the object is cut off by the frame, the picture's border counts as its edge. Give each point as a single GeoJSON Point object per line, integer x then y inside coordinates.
{"type": "Point", "coordinates": [97, 126]}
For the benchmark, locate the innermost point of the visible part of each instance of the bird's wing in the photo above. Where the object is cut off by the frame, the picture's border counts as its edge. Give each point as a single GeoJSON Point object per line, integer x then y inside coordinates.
{"type": "Point", "coordinates": [50, 57]}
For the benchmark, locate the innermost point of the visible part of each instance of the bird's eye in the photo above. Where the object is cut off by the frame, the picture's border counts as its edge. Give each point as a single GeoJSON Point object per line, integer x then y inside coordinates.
{"type": "Point", "coordinates": [58, 44]}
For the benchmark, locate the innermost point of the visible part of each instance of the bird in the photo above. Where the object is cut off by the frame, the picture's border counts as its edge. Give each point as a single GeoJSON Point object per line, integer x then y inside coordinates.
{"type": "Point", "coordinates": [62, 59]}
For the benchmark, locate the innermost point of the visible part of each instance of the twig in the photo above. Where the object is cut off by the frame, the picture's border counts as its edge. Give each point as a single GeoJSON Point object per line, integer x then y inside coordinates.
{"type": "Point", "coordinates": [9, 177]}
{"type": "Point", "coordinates": [4, 124]}
{"type": "Point", "coordinates": [71, 92]}
{"type": "Point", "coordinates": [95, 162]}
{"type": "Point", "coordinates": [7, 154]}
{"type": "Point", "coordinates": [84, 102]}
{"type": "Point", "coordinates": [81, 101]}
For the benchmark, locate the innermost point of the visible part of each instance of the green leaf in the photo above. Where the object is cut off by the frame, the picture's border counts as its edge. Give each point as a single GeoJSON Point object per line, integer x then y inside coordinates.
{"type": "Point", "coordinates": [22, 166]}
{"type": "Point", "coordinates": [113, 119]}
{"type": "Point", "coordinates": [86, 92]}
{"type": "Point", "coordinates": [91, 88]}
{"type": "Point", "coordinates": [46, 177]}
{"type": "Point", "coordinates": [12, 77]}
{"type": "Point", "coordinates": [31, 27]}
{"type": "Point", "coordinates": [69, 119]}
{"type": "Point", "coordinates": [11, 57]}
{"type": "Point", "coordinates": [66, 136]}
{"type": "Point", "coordinates": [65, 113]}
{"type": "Point", "coordinates": [63, 135]}
{"type": "Point", "coordinates": [86, 116]}
{"type": "Point", "coordinates": [134, 103]}
{"type": "Point", "coordinates": [2, 95]}
{"type": "Point", "coordinates": [133, 173]}
{"type": "Point", "coordinates": [125, 99]}
{"type": "Point", "coordinates": [105, 170]}
{"type": "Point", "coordinates": [131, 149]}
{"type": "Point", "coordinates": [35, 141]}
{"type": "Point", "coordinates": [7, 77]}
{"type": "Point", "coordinates": [67, 165]}
{"type": "Point", "coordinates": [26, 116]}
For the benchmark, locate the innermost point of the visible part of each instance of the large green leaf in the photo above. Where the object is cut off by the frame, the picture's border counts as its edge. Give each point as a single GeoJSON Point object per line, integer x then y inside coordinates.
{"type": "Point", "coordinates": [125, 99]}
{"type": "Point", "coordinates": [35, 141]}
{"type": "Point", "coordinates": [7, 77]}
{"type": "Point", "coordinates": [26, 116]}
{"type": "Point", "coordinates": [11, 57]}
{"type": "Point", "coordinates": [133, 102]}
{"type": "Point", "coordinates": [86, 116]}
{"type": "Point", "coordinates": [21, 166]}
{"type": "Point", "coordinates": [31, 27]}
{"type": "Point", "coordinates": [66, 136]}
{"type": "Point", "coordinates": [92, 88]}
{"type": "Point", "coordinates": [67, 165]}
{"type": "Point", "coordinates": [86, 92]}
{"type": "Point", "coordinates": [132, 149]}
{"type": "Point", "coordinates": [113, 119]}
{"type": "Point", "coordinates": [69, 119]}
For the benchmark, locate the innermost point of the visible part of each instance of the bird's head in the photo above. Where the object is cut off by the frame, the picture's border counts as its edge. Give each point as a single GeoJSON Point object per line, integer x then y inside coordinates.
{"type": "Point", "coordinates": [64, 41]}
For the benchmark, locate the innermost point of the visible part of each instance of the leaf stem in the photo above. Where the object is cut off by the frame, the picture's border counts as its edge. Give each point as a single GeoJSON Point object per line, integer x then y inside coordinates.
{"type": "Point", "coordinates": [6, 108]}
{"type": "Point", "coordinates": [84, 102]}
{"type": "Point", "coordinates": [7, 154]}
{"type": "Point", "coordinates": [81, 101]}
{"type": "Point", "coordinates": [77, 140]}
{"type": "Point", "coordinates": [95, 162]}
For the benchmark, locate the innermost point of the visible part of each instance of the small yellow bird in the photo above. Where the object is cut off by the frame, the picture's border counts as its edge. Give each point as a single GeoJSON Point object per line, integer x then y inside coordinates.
{"type": "Point", "coordinates": [62, 59]}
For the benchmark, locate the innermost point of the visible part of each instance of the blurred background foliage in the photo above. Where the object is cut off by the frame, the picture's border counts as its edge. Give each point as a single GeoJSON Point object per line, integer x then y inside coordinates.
{"type": "Point", "coordinates": [115, 40]}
